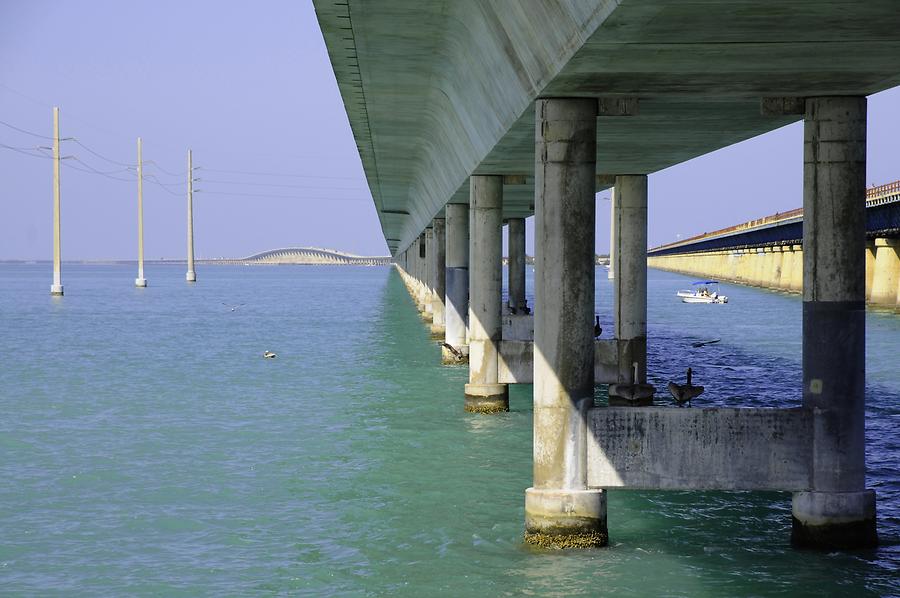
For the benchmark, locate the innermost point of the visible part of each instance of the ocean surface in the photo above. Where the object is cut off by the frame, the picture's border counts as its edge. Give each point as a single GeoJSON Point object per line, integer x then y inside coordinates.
{"type": "Point", "coordinates": [147, 448]}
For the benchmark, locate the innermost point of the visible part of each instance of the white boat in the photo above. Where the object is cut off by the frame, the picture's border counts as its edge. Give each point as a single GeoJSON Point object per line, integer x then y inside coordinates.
{"type": "Point", "coordinates": [704, 291]}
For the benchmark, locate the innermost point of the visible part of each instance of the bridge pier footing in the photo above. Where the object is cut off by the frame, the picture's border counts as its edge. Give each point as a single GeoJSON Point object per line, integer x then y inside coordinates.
{"type": "Point", "coordinates": [838, 511]}
{"type": "Point", "coordinates": [560, 510]}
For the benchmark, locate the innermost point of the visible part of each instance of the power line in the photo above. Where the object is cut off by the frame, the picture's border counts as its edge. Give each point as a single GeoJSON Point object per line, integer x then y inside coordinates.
{"type": "Point", "coordinates": [153, 179]}
{"type": "Point", "coordinates": [158, 182]}
{"type": "Point", "coordinates": [281, 174]}
{"type": "Point", "coordinates": [91, 170]}
{"type": "Point", "coordinates": [324, 199]}
{"type": "Point", "coordinates": [156, 164]}
{"type": "Point", "coordinates": [25, 151]}
{"type": "Point", "coordinates": [24, 131]}
{"type": "Point", "coordinates": [129, 169]}
{"type": "Point", "coordinates": [256, 184]}
{"type": "Point", "coordinates": [101, 156]}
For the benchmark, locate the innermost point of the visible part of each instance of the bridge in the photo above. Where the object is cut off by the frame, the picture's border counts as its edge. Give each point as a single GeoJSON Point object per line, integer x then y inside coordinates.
{"type": "Point", "coordinates": [469, 115]}
{"type": "Point", "coordinates": [768, 252]}
{"type": "Point", "coordinates": [310, 256]}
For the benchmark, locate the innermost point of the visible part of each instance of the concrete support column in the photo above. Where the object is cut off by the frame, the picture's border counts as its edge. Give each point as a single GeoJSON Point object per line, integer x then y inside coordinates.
{"type": "Point", "coordinates": [457, 283]}
{"type": "Point", "coordinates": [838, 511]}
{"type": "Point", "coordinates": [439, 273]}
{"type": "Point", "coordinates": [886, 277]}
{"type": "Point", "coordinates": [560, 511]}
{"type": "Point", "coordinates": [870, 268]}
{"type": "Point", "coordinates": [421, 256]}
{"type": "Point", "coordinates": [516, 269]}
{"type": "Point", "coordinates": [796, 282]}
{"type": "Point", "coordinates": [630, 288]}
{"type": "Point", "coordinates": [428, 275]}
{"type": "Point", "coordinates": [777, 266]}
{"type": "Point", "coordinates": [483, 393]}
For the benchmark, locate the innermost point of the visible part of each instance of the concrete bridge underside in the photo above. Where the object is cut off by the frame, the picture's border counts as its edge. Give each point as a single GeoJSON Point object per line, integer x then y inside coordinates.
{"type": "Point", "coordinates": [436, 91]}
{"type": "Point", "coordinates": [471, 113]}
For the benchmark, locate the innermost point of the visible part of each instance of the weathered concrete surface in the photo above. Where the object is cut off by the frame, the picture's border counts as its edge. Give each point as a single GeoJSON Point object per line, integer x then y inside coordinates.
{"type": "Point", "coordinates": [428, 279]}
{"type": "Point", "coordinates": [630, 284]}
{"type": "Point", "coordinates": [564, 162]}
{"type": "Point", "coordinates": [452, 84]}
{"type": "Point", "coordinates": [834, 327]}
{"type": "Point", "coordinates": [669, 448]}
{"type": "Point", "coordinates": [457, 275]}
{"type": "Point", "coordinates": [439, 276]}
{"type": "Point", "coordinates": [518, 327]}
{"type": "Point", "coordinates": [483, 392]}
{"type": "Point", "coordinates": [516, 365]}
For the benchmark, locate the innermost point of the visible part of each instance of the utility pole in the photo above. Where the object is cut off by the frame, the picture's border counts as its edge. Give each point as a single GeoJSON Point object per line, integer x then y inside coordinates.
{"type": "Point", "coordinates": [611, 274]}
{"type": "Point", "coordinates": [140, 281]}
{"type": "Point", "coordinates": [191, 276]}
{"type": "Point", "coordinates": [56, 288]}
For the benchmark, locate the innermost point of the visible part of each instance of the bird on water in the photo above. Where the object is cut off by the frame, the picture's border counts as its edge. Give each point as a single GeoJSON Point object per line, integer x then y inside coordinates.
{"type": "Point", "coordinates": [269, 355]}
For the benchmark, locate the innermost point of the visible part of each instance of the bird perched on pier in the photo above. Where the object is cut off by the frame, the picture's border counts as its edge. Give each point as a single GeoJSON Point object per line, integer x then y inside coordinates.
{"type": "Point", "coordinates": [597, 329]}
{"type": "Point", "coordinates": [457, 354]}
{"type": "Point", "coordinates": [269, 355]}
{"type": "Point", "coordinates": [683, 393]}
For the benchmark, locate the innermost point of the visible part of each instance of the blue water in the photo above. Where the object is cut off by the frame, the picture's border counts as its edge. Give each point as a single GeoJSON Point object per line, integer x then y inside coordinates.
{"type": "Point", "coordinates": [148, 448]}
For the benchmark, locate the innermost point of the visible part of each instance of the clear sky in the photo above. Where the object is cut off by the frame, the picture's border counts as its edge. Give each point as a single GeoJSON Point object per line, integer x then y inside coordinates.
{"type": "Point", "coordinates": [248, 86]}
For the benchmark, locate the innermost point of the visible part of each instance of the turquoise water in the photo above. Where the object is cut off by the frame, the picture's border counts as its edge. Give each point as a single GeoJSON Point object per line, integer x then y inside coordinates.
{"type": "Point", "coordinates": [149, 449]}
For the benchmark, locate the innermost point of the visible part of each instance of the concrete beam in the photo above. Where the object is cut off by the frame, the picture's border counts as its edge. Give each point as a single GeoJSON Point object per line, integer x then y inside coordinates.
{"type": "Point", "coordinates": [617, 107]}
{"type": "Point", "coordinates": [782, 106]}
{"type": "Point", "coordinates": [516, 363]}
{"type": "Point", "coordinates": [666, 448]}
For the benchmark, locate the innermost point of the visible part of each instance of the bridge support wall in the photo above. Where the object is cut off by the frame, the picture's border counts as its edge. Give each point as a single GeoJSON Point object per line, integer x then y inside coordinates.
{"type": "Point", "coordinates": [784, 268]}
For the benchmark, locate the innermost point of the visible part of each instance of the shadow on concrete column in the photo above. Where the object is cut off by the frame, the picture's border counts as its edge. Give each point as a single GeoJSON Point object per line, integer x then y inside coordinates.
{"type": "Point", "coordinates": [630, 286]}
{"type": "Point", "coordinates": [438, 278]}
{"type": "Point", "coordinates": [560, 510]}
{"type": "Point", "coordinates": [838, 511]}
{"type": "Point", "coordinates": [516, 269]}
{"type": "Point", "coordinates": [455, 349]}
{"type": "Point", "coordinates": [427, 274]}
{"type": "Point", "coordinates": [484, 394]}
